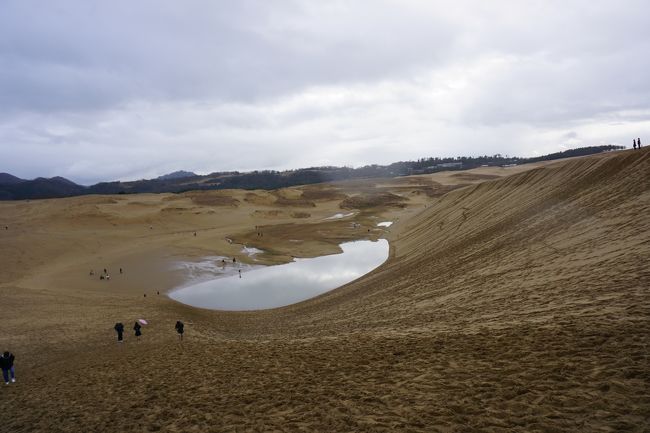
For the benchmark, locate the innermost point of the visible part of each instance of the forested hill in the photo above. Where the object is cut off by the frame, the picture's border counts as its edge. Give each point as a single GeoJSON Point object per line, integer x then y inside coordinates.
{"type": "Point", "coordinates": [13, 188]}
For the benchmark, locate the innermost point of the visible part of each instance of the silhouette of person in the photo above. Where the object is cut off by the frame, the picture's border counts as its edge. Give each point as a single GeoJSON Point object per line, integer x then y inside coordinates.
{"type": "Point", "coordinates": [137, 328]}
{"type": "Point", "coordinates": [179, 328]}
{"type": "Point", "coordinates": [7, 365]}
{"type": "Point", "coordinates": [638, 143]}
{"type": "Point", "coordinates": [119, 328]}
{"type": "Point", "coordinates": [634, 145]}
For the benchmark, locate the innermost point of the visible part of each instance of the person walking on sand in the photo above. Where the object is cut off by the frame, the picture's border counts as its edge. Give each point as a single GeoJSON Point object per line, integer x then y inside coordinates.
{"type": "Point", "coordinates": [119, 328]}
{"type": "Point", "coordinates": [7, 365]}
{"type": "Point", "coordinates": [634, 143]}
{"type": "Point", "coordinates": [137, 328]}
{"type": "Point", "coordinates": [179, 328]}
{"type": "Point", "coordinates": [638, 143]}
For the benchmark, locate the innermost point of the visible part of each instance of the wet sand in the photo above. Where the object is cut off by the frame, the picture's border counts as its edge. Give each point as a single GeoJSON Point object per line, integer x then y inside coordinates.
{"type": "Point", "coordinates": [518, 302]}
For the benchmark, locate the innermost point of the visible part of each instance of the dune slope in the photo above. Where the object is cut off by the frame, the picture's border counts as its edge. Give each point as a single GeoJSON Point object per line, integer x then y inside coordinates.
{"type": "Point", "coordinates": [517, 304]}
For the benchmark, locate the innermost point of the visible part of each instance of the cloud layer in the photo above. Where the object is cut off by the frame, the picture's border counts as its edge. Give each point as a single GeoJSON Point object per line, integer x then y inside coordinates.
{"type": "Point", "coordinates": [123, 90]}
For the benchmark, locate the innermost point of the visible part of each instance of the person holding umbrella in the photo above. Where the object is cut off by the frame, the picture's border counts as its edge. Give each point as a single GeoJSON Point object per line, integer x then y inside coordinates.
{"type": "Point", "coordinates": [119, 328]}
{"type": "Point", "coordinates": [179, 328]}
{"type": "Point", "coordinates": [7, 365]}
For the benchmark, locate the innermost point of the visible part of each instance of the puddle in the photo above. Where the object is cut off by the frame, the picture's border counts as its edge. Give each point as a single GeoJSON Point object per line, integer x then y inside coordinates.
{"type": "Point", "coordinates": [277, 286]}
{"type": "Point", "coordinates": [251, 251]}
{"type": "Point", "coordinates": [339, 216]}
{"type": "Point", "coordinates": [211, 267]}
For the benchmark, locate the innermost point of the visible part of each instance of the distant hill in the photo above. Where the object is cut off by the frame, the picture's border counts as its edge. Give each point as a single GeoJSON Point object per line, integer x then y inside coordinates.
{"type": "Point", "coordinates": [14, 188]}
{"type": "Point", "coordinates": [177, 175]}
{"type": "Point", "coordinates": [41, 188]}
{"type": "Point", "coordinates": [8, 179]}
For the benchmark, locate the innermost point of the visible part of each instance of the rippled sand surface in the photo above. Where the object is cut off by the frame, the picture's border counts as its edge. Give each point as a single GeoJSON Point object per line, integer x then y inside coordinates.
{"type": "Point", "coordinates": [515, 303]}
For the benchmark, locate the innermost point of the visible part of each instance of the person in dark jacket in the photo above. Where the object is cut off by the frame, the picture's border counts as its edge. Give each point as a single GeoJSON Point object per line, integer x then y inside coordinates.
{"type": "Point", "coordinates": [7, 365]}
{"type": "Point", "coordinates": [137, 328]}
{"type": "Point", "coordinates": [179, 328]}
{"type": "Point", "coordinates": [119, 328]}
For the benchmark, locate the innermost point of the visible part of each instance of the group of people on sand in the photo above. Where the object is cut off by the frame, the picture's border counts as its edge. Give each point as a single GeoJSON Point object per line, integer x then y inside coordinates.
{"type": "Point", "coordinates": [104, 275]}
{"type": "Point", "coordinates": [137, 328]}
{"type": "Point", "coordinates": [636, 143]}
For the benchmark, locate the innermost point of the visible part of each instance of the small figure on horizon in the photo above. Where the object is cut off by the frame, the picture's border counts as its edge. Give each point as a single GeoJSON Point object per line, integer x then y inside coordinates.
{"type": "Point", "coordinates": [7, 365]}
{"type": "Point", "coordinates": [179, 328]}
{"type": "Point", "coordinates": [157, 292]}
{"type": "Point", "coordinates": [240, 273]}
{"type": "Point", "coordinates": [137, 328]}
{"type": "Point", "coordinates": [194, 234]}
{"type": "Point", "coordinates": [121, 271]}
{"type": "Point", "coordinates": [145, 295]}
{"type": "Point", "coordinates": [105, 271]}
{"type": "Point", "coordinates": [634, 143]}
{"type": "Point", "coordinates": [638, 143]}
{"type": "Point", "coordinates": [119, 328]}
{"type": "Point", "coordinates": [234, 260]}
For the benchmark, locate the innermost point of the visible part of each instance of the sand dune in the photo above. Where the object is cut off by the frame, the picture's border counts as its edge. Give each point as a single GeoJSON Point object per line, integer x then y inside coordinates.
{"type": "Point", "coordinates": [517, 303]}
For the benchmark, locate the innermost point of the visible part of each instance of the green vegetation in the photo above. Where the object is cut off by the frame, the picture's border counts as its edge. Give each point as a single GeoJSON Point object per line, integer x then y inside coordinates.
{"type": "Point", "coordinates": [18, 189]}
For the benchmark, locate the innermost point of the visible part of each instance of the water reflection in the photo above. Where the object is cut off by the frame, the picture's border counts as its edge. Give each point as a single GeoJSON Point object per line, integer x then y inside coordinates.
{"type": "Point", "coordinates": [276, 286]}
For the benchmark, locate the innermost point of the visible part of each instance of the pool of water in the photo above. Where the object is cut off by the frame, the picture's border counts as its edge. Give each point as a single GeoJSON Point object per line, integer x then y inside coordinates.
{"type": "Point", "coordinates": [277, 286]}
{"type": "Point", "coordinates": [339, 216]}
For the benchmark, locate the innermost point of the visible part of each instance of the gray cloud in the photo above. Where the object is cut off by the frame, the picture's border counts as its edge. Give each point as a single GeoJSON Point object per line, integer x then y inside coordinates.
{"type": "Point", "coordinates": [104, 90]}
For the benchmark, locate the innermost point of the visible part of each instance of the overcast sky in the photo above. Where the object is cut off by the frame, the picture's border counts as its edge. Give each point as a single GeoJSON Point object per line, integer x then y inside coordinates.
{"type": "Point", "coordinates": [131, 89]}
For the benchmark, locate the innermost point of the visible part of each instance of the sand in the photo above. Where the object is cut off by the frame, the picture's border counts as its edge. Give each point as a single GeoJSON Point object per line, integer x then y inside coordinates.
{"type": "Point", "coordinates": [513, 300]}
